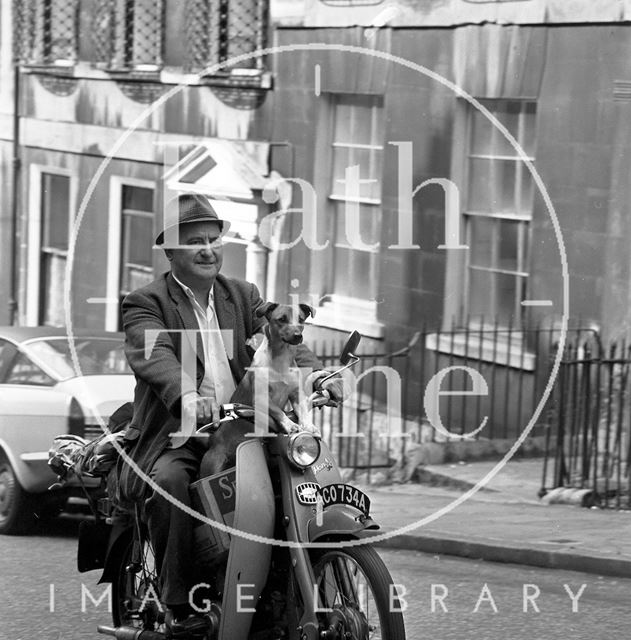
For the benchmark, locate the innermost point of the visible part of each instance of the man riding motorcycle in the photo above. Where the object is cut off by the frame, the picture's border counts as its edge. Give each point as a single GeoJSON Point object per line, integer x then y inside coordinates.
{"type": "Point", "coordinates": [191, 297]}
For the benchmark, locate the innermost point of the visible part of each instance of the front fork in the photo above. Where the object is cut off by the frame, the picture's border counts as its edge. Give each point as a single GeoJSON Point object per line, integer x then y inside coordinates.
{"type": "Point", "coordinates": [295, 519]}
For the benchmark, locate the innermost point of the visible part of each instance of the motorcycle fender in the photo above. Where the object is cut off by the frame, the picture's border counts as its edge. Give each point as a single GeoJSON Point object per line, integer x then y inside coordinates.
{"type": "Point", "coordinates": [248, 558]}
{"type": "Point", "coordinates": [339, 521]}
{"type": "Point", "coordinates": [119, 540]}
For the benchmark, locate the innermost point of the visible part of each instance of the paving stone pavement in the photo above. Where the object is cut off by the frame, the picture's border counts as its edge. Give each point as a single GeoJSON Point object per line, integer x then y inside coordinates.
{"type": "Point", "coordinates": [503, 520]}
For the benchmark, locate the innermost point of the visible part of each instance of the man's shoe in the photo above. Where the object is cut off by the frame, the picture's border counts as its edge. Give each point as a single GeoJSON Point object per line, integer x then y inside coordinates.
{"type": "Point", "coordinates": [193, 626]}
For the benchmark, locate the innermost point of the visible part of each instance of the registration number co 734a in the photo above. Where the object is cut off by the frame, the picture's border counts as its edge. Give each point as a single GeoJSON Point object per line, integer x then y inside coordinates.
{"type": "Point", "coordinates": [345, 494]}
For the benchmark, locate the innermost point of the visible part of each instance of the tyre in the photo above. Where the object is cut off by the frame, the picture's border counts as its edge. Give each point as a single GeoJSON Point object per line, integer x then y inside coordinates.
{"type": "Point", "coordinates": [16, 505]}
{"type": "Point", "coordinates": [135, 590]}
{"type": "Point", "coordinates": [357, 589]}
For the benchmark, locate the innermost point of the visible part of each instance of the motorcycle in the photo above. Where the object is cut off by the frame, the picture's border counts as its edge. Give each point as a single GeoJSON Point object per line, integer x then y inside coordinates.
{"type": "Point", "coordinates": [291, 561]}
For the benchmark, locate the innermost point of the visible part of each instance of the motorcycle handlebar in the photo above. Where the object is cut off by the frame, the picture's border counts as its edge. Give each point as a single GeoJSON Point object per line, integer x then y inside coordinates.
{"type": "Point", "coordinates": [234, 411]}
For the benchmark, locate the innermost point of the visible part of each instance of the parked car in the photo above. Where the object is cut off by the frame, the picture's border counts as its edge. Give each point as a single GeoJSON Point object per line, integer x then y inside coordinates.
{"type": "Point", "coordinates": [44, 393]}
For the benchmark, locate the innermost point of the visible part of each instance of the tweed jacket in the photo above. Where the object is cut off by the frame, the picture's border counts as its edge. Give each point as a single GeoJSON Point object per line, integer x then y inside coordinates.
{"type": "Point", "coordinates": [161, 306]}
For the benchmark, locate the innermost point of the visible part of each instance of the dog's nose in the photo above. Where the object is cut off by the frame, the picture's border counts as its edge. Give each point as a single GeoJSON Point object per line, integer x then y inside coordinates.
{"type": "Point", "coordinates": [296, 339]}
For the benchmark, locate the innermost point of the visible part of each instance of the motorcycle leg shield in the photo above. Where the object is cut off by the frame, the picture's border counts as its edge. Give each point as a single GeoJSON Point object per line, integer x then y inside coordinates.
{"type": "Point", "coordinates": [248, 558]}
{"type": "Point", "coordinates": [340, 522]}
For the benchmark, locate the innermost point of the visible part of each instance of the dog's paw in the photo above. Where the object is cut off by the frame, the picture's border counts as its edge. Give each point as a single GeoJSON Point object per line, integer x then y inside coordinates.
{"type": "Point", "coordinates": [289, 426]}
{"type": "Point", "coordinates": [310, 428]}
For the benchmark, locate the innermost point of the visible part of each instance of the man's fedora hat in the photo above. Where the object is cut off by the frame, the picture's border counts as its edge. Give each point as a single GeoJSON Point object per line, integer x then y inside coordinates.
{"type": "Point", "coordinates": [192, 207]}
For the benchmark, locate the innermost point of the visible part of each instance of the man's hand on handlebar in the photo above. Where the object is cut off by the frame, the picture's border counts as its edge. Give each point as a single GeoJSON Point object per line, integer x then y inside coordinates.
{"type": "Point", "coordinates": [200, 409]}
{"type": "Point", "coordinates": [335, 389]}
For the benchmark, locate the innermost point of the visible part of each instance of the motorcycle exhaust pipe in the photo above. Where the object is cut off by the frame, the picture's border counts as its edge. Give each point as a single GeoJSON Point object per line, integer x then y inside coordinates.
{"type": "Point", "coordinates": [130, 633]}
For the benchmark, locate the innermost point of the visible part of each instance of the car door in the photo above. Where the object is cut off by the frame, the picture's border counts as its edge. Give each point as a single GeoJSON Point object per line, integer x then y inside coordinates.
{"type": "Point", "coordinates": [32, 413]}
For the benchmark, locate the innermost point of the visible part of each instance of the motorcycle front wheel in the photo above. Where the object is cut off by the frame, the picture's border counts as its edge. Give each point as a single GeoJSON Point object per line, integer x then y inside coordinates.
{"type": "Point", "coordinates": [358, 595]}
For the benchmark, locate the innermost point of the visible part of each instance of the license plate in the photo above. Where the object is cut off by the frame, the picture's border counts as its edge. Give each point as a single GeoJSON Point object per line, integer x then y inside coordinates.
{"type": "Point", "coordinates": [345, 494]}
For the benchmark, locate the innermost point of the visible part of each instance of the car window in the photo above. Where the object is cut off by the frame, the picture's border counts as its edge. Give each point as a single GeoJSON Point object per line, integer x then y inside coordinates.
{"type": "Point", "coordinates": [7, 351]}
{"type": "Point", "coordinates": [95, 356]}
{"type": "Point", "coordinates": [24, 371]}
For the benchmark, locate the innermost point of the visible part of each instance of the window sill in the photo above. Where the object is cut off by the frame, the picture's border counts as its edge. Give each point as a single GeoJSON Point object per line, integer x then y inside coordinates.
{"type": "Point", "coordinates": [64, 68]}
{"type": "Point", "coordinates": [237, 78]}
{"type": "Point", "coordinates": [346, 314]}
{"type": "Point", "coordinates": [471, 347]}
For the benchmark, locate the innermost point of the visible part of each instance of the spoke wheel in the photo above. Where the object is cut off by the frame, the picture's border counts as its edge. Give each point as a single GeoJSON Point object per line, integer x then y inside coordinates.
{"type": "Point", "coordinates": [16, 505]}
{"type": "Point", "coordinates": [135, 592]}
{"type": "Point", "coordinates": [356, 588]}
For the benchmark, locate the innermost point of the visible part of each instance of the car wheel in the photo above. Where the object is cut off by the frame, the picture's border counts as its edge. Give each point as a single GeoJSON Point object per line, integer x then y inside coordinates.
{"type": "Point", "coordinates": [16, 505]}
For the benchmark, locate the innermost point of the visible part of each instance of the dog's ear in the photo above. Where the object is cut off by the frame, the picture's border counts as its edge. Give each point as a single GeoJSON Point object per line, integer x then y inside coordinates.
{"type": "Point", "coordinates": [307, 309]}
{"type": "Point", "coordinates": [265, 308]}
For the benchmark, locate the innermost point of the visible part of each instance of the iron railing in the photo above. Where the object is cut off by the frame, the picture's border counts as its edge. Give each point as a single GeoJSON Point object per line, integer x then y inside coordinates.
{"type": "Point", "coordinates": [218, 30]}
{"type": "Point", "coordinates": [45, 31]}
{"type": "Point", "coordinates": [361, 434]}
{"type": "Point", "coordinates": [384, 418]}
{"type": "Point", "coordinates": [513, 366]}
{"type": "Point", "coordinates": [129, 34]}
{"type": "Point", "coordinates": [589, 444]}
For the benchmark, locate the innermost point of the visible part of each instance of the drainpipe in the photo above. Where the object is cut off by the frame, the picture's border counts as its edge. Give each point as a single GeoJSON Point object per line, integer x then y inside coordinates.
{"type": "Point", "coordinates": [273, 255]}
{"type": "Point", "coordinates": [13, 303]}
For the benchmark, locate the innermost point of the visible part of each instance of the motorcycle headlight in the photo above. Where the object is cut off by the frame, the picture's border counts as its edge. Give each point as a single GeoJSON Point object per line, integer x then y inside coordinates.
{"type": "Point", "coordinates": [303, 449]}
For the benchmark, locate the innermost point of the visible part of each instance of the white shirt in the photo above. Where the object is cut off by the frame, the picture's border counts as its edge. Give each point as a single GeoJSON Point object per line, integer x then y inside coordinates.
{"type": "Point", "coordinates": [218, 381]}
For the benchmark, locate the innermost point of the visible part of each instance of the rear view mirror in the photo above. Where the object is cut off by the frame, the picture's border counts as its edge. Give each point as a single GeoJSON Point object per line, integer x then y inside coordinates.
{"type": "Point", "coordinates": [350, 347]}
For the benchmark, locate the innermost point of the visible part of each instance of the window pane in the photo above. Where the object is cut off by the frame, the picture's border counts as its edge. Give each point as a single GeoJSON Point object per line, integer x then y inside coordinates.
{"type": "Point", "coordinates": [140, 229]}
{"type": "Point", "coordinates": [369, 164]}
{"type": "Point", "coordinates": [55, 211]}
{"type": "Point", "coordinates": [342, 127]}
{"type": "Point", "coordinates": [7, 351]}
{"type": "Point", "coordinates": [508, 114]}
{"type": "Point", "coordinates": [369, 224]}
{"type": "Point", "coordinates": [482, 134]}
{"type": "Point", "coordinates": [355, 273]}
{"type": "Point", "coordinates": [527, 193]}
{"type": "Point", "coordinates": [506, 287]}
{"type": "Point", "coordinates": [136, 238]}
{"type": "Point", "coordinates": [492, 185]}
{"type": "Point", "coordinates": [481, 296]}
{"type": "Point", "coordinates": [134, 278]}
{"type": "Point", "coordinates": [52, 284]}
{"type": "Point", "coordinates": [358, 119]}
{"type": "Point", "coordinates": [96, 356]}
{"type": "Point", "coordinates": [529, 136]}
{"type": "Point", "coordinates": [503, 179]}
{"type": "Point", "coordinates": [494, 295]}
{"type": "Point", "coordinates": [480, 185]}
{"type": "Point", "coordinates": [341, 160]}
{"type": "Point", "coordinates": [481, 241]}
{"type": "Point", "coordinates": [487, 139]}
{"type": "Point", "coordinates": [24, 371]}
{"type": "Point", "coordinates": [362, 122]}
{"type": "Point", "coordinates": [508, 245]}
{"type": "Point", "coordinates": [138, 198]}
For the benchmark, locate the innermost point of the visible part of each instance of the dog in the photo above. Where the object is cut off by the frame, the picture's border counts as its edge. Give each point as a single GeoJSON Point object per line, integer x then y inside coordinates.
{"type": "Point", "coordinates": [276, 354]}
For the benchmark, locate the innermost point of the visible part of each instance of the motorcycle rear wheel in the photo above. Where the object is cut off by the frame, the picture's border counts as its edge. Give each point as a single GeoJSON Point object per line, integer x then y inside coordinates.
{"type": "Point", "coordinates": [356, 586]}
